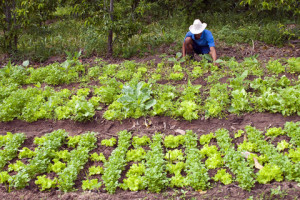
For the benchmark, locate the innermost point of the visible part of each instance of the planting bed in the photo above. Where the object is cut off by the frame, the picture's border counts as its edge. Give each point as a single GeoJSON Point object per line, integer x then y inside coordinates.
{"type": "Point", "coordinates": [173, 98]}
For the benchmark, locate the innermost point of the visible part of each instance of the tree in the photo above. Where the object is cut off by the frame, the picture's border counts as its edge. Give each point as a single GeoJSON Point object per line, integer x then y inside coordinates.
{"type": "Point", "coordinates": [18, 15]}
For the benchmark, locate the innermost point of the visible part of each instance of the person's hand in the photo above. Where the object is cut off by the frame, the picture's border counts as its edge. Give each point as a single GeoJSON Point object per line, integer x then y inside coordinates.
{"type": "Point", "coordinates": [216, 64]}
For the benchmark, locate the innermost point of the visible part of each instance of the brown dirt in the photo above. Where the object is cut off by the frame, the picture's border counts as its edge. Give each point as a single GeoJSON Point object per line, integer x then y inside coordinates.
{"type": "Point", "coordinates": [239, 51]}
{"type": "Point", "coordinates": [107, 129]}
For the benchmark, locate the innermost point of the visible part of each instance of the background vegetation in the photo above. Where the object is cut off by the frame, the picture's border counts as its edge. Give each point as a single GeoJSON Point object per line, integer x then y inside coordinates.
{"type": "Point", "coordinates": [38, 29]}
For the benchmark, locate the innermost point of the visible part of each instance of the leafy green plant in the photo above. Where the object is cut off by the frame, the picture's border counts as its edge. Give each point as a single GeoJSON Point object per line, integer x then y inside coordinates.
{"type": "Point", "coordinates": [98, 157]}
{"type": "Point", "coordinates": [238, 133]}
{"type": "Point", "coordinates": [275, 131]}
{"type": "Point", "coordinates": [73, 140]}
{"type": "Point", "coordinates": [268, 173]}
{"type": "Point", "coordinates": [282, 145]}
{"type": "Point", "coordinates": [140, 141]}
{"type": "Point", "coordinates": [223, 176]}
{"type": "Point", "coordinates": [177, 76]}
{"type": "Point", "coordinates": [17, 166]}
{"type": "Point", "coordinates": [135, 154]}
{"type": "Point", "coordinates": [275, 67]}
{"type": "Point", "coordinates": [26, 153]}
{"type": "Point", "coordinates": [78, 158]}
{"type": "Point", "coordinates": [93, 170]}
{"type": "Point", "coordinates": [172, 141]}
{"type": "Point", "coordinates": [4, 177]}
{"type": "Point", "coordinates": [174, 155]}
{"type": "Point", "coordinates": [11, 143]}
{"type": "Point", "coordinates": [91, 184]}
{"type": "Point", "coordinates": [294, 155]}
{"type": "Point", "coordinates": [47, 145]}
{"type": "Point", "coordinates": [136, 99]}
{"type": "Point", "coordinates": [205, 139]}
{"type": "Point", "coordinates": [155, 175]}
{"type": "Point", "coordinates": [197, 175]}
{"type": "Point", "coordinates": [175, 168]}
{"type": "Point", "coordinates": [109, 142]}
{"type": "Point", "coordinates": [235, 161]}
{"type": "Point", "coordinates": [116, 163]}
{"type": "Point", "coordinates": [45, 183]}
{"type": "Point", "coordinates": [57, 166]}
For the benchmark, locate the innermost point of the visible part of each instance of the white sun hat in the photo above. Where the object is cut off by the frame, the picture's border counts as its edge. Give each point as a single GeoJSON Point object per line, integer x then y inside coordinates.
{"type": "Point", "coordinates": [197, 27]}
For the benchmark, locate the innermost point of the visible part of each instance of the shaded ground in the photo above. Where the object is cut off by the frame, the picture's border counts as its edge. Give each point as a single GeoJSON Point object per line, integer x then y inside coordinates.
{"type": "Point", "coordinates": [239, 51]}
{"type": "Point", "coordinates": [148, 126]}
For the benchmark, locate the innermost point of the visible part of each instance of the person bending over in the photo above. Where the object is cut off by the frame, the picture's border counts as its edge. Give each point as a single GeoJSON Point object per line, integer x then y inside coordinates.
{"type": "Point", "coordinates": [199, 40]}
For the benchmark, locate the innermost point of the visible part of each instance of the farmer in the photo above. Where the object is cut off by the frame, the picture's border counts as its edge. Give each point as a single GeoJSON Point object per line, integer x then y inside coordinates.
{"type": "Point", "coordinates": [199, 40]}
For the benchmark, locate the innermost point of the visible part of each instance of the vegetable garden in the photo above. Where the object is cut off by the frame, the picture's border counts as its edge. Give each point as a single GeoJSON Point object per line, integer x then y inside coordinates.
{"type": "Point", "coordinates": [169, 127]}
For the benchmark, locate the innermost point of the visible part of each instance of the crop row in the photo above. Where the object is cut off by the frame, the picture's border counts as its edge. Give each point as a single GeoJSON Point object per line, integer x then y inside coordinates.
{"type": "Point", "coordinates": [172, 69]}
{"type": "Point", "coordinates": [136, 98]}
{"type": "Point", "coordinates": [172, 161]}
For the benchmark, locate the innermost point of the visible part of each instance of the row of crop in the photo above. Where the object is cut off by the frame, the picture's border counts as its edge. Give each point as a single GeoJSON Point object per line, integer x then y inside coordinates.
{"type": "Point", "coordinates": [74, 71]}
{"type": "Point", "coordinates": [136, 99]}
{"type": "Point", "coordinates": [154, 169]}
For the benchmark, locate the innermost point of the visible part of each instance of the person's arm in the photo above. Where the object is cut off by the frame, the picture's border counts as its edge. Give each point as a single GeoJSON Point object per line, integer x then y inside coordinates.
{"type": "Point", "coordinates": [213, 53]}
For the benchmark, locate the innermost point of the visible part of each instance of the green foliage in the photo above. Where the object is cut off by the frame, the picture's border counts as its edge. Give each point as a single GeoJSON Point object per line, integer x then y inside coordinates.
{"type": "Point", "coordinates": [11, 143]}
{"type": "Point", "coordinates": [109, 142]}
{"type": "Point", "coordinates": [134, 183]}
{"type": "Point", "coordinates": [282, 162]}
{"type": "Point", "coordinates": [235, 161]}
{"type": "Point", "coordinates": [197, 175]}
{"type": "Point", "coordinates": [240, 101]}
{"type": "Point", "coordinates": [214, 159]}
{"type": "Point", "coordinates": [282, 145]}
{"type": "Point", "coordinates": [238, 134]}
{"type": "Point", "coordinates": [63, 155]}
{"type": "Point", "coordinates": [78, 158]}
{"type": "Point", "coordinates": [140, 141]}
{"type": "Point", "coordinates": [17, 166]}
{"type": "Point", "coordinates": [175, 168]}
{"type": "Point", "coordinates": [172, 141]}
{"type": "Point", "coordinates": [294, 155]}
{"type": "Point", "coordinates": [223, 176]}
{"type": "Point", "coordinates": [293, 65]}
{"type": "Point", "coordinates": [217, 101]}
{"type": "Point", "coordinates": [273, 4]}
{"type": "Point", "coordinates": [116, 163]}
{"type": "Point", "coordinates": [247, 146]}
{"type": "Point", "coordinates": [93, 170]}
{"type": "Point", "coordinates": [275, 132]}
{"type": "Point", "coordinates": [57, 167]}
{"type": "Point", "coordinates": [26, 153]}
{"type": "Point", "coordinates": [268, 173]}
{"type": "Point", "coordinates": [135, 180]}
{"type": "Point", "coordinates": [109, 91]}
{"type": "Point", "coordinates": [47, 145]}
{"type": "Point", "coordinates": [189, 110]}
{"type": "Point", "coordinates": [205, 139]}
{"type": "Point", "coordinates": [98, 157]}
{"type": "Point", "coordinates": [91, 184]}
{"type": "Point", "coordinates": [156, 177]}
{"type": "Point", "coordinates": [73, 140]}
{"type": "Point", "coordinates": [292, 129]}
{"type": "Point", "coordinates": [275, 67]}
{"type": "Point", "coordinates": [4, 177]}
{"type": "Point", "coordinates": [174, 155]}
{"type": "Point", "coordinates": [135, 154]}
{"type": "Point", "coordinates": [45, 183]}
{"type": "Point", "coordinates": [197, 72]}
{"type": "Point", "coordinates": [177, 76]}
{"type": "Point", "coordinates": [136, 99]}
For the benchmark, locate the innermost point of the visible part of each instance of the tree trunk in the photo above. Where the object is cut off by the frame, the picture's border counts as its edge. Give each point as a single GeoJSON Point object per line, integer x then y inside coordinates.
{"type": "Point", "coordinates": [8, 40]}
{"type": "Point", "coordinates": [110, 34]}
